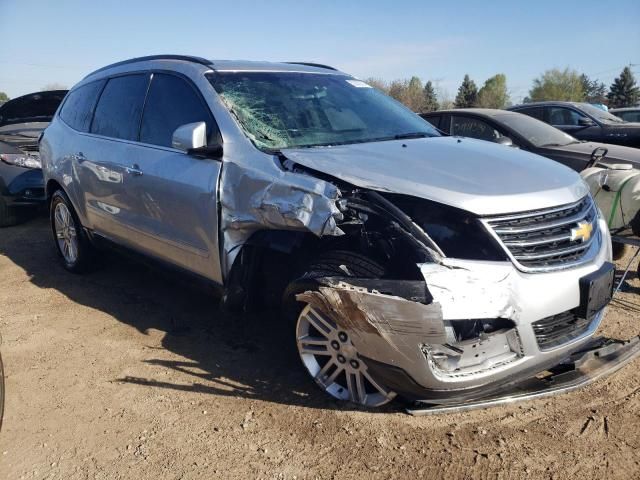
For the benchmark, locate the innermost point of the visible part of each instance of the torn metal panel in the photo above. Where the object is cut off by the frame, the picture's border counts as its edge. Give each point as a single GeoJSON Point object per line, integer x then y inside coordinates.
{"type": "Point", "coordinates": [473, 289]}
{"type": "Point", "coordinates": [476, 356]}
{"type": "Point", "coordinates": [255, 199]}
{"type": "Point", "coordinates": [384, 327]}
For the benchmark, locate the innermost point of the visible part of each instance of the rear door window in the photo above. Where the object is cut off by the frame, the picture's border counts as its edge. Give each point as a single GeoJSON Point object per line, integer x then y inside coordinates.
{"type": "Point", "coordinates": [474, 128]}
{"type": "Point", "coordinates": [535, 112]}
{"type": "Point", "coordinates": [119, 109]}
{"type": "Point", "coordinates": [172, 102]}
{"type": "Point", "coordinates": [78, 107]}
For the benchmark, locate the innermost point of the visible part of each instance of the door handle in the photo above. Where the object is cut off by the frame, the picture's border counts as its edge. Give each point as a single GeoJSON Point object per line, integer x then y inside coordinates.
{"type": "Point", "coordinates": [134, 170]}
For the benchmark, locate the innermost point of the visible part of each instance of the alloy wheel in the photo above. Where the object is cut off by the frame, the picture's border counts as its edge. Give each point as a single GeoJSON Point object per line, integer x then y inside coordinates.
{"type": "Point", "coordinates": [66, 233]}
{"type": "Point", "coordinates": [332, 360]}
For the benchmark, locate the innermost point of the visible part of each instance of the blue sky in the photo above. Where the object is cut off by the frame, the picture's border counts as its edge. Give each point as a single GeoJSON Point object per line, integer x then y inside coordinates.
{"type": "Point", "coordinates": [46, 42]}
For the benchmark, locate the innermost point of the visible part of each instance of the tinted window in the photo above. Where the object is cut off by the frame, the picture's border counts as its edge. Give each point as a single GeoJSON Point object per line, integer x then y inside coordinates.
{"type": "Point", "coordinates": [433, 120]}
{"type": "Point", "coordinates": [78, 107]}
{"type": "Point", "coordinates": [171, 102]}
{"type": "Point", "coordinates": [120, 107]}
{"type": "Point", "coordinates": [535, 112]}
{"type": "Point", "coordinates": [564, 116]}
{"type": "Point", "coordinates": [474, 128]}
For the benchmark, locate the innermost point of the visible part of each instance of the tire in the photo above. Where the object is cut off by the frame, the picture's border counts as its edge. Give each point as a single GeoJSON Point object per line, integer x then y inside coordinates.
{"type": "Point", "coordinates": [618, 250]}
{"type": "Point", "coordinates": [8, 216]}
{"type": "Point", "coordinates": [70, 240]}
{"type": "Point", "coordinates": [326, 352]}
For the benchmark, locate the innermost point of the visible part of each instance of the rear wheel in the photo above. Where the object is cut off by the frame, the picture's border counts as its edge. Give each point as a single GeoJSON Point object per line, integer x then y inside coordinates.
{"type": "Point", "coordinates": [71, 241]}
{"type": "Point", "coordinates": [327, 352]}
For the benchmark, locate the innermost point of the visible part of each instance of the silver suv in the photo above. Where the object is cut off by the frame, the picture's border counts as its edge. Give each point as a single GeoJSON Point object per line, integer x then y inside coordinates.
{"type": "Point", "coordinates": [411, 263]}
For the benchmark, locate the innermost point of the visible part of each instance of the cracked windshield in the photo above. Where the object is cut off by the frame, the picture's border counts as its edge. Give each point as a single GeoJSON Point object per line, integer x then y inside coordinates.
{"type": "Point", "coordinates": [279, 110]}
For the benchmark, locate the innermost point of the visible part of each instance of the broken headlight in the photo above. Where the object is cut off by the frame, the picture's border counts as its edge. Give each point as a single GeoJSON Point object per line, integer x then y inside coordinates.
{"type": "Point", "coordinates": [21, 160]}
{"type": "Point", "coordinates": [458, 233]}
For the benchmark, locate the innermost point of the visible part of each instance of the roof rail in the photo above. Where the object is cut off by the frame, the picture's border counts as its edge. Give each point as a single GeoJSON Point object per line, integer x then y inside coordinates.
{"type": "Point", "coordinates": [186, 58]}
{"type": "Point", "coordinates": [309, 64]}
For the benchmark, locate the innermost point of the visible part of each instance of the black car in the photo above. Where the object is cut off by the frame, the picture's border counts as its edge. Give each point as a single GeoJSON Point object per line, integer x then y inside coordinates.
{"type": "Point", "coordinates": [22, 120]}
{"type": "Point", "coordinates": [529, 134]}
{"type": "Point", "coordinates": [584, 121]}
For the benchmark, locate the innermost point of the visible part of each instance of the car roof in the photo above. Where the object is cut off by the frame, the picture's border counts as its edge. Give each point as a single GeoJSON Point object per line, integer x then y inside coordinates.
{"type": "Point", "coordinates": [625, 109]}
{"type": "Point", "coordinates": [228, 65]}
{"type": "Point", "coordinates": [547, 103]}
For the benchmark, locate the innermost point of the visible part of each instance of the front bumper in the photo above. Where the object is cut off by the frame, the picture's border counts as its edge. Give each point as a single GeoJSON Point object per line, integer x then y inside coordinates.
{"type": "Point", "coordinates": [20, 186]}
{"type": "Point", "coordinates": [404, 340]}
{"type": "Point", "coordinates": [599, 358]}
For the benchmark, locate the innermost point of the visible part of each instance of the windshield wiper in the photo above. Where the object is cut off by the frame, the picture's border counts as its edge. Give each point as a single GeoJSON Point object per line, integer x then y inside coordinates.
{"type": "Point", "coordinates": [403, 136]}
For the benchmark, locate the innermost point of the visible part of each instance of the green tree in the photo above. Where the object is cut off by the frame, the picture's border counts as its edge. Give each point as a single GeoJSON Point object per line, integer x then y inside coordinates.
{"type": "Point", "coordinates": [557, 85]}
{"type": "Point", "coordinates": [430, 98]}
{"type": "Point", "coordinates": [467, 94]}
{"type": "Point", "coordinates": [594, 91]}
{"type": "Point", "coordinates": [493, 93]}
{"type": "Point", "coordinates": [3, 97]}
{"type": "Point", "coordinates": [408, 92]}
{"type": "Point", "coordinates": [397, 89]}
{"type": "Point", "coordinates": [378, 83]}
{"type": "Point", "coordinates": [414, 96]}
{"type": "Point", "coordinates": [624, 91]}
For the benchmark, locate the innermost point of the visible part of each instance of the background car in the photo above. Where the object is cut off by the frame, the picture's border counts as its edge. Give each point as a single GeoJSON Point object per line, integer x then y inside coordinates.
{"type": "Point", "coordinates": [22, 121]}
{"type": "Point", "coordinates": [584, 121]}
{"type": "Point", "coordinates": [528, 134]}
{"type": "Point", "coordinates": [628, 114]}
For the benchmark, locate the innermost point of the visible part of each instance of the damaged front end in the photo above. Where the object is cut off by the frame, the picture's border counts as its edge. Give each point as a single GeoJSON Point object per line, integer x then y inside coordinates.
{"type": "Point", "coordinates": [451, 323]}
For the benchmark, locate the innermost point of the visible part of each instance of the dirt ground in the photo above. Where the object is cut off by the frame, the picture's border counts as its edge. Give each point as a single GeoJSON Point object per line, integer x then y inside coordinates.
{"type": "Point", "coordinates": [126, 373]}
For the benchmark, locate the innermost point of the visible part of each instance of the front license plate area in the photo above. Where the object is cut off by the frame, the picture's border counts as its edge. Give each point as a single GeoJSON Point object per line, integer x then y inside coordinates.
{"type": "Point", "coordinates": [596, 290]}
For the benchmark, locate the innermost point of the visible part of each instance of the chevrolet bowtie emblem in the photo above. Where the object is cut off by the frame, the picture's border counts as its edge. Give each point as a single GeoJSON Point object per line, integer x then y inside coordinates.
{"type": "Point", "coordinates": [582, 232]}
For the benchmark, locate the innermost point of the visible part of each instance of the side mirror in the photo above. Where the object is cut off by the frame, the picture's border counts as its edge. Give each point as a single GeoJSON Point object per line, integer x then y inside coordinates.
{"type": "Point", "coordinates": [585, 122]}
{"type": "Point", "coordinates": [189, 136]}
{"type": "Point", "coordinates": [506, 141]}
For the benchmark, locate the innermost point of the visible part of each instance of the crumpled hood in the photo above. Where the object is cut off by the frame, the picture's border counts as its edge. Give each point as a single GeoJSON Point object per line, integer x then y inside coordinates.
{"type": "Point", "coordinates": [477, 176]}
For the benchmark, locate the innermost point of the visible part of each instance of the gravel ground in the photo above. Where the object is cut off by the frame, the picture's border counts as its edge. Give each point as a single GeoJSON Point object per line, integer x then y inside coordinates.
{"type": "Point", "coordinates": [127, 374]}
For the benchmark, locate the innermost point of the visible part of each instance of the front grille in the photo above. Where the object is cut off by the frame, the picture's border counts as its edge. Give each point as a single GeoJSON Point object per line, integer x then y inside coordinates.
{"type": "Point", "coordinates": [559, 329]}
{"type": "Point", "coordinates": [545, 239]}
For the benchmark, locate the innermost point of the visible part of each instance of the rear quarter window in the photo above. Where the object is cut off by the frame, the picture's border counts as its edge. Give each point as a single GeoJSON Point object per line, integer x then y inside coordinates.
{"type": "Point", "coordinates": [119, 109]}
{"type": "Point", "coordinates": [433, 120]}
{"type": "Point", "coordinates": [77, 109]}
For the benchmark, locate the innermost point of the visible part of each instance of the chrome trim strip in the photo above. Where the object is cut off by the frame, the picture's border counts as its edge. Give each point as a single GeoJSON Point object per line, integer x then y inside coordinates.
{"type": "Point", "coordinates": [544, 226]}
{"type": "Point", "coordinates": [555, 253]}
{"type": "Point", "coordinates": [533, 243]}
{"type": "Point", "coordinates": [532, 213]}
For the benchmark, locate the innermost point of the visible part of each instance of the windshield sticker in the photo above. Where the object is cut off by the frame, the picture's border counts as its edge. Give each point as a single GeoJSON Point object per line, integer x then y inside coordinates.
{"type": "Point", "coordinates": [358, 83]}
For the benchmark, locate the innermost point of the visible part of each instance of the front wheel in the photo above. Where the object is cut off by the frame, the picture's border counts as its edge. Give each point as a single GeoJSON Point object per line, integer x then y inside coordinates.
{"type": "Point", "coordinates": [327, 352]}
{"type": "Point", "coordinates": [332, 360]}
